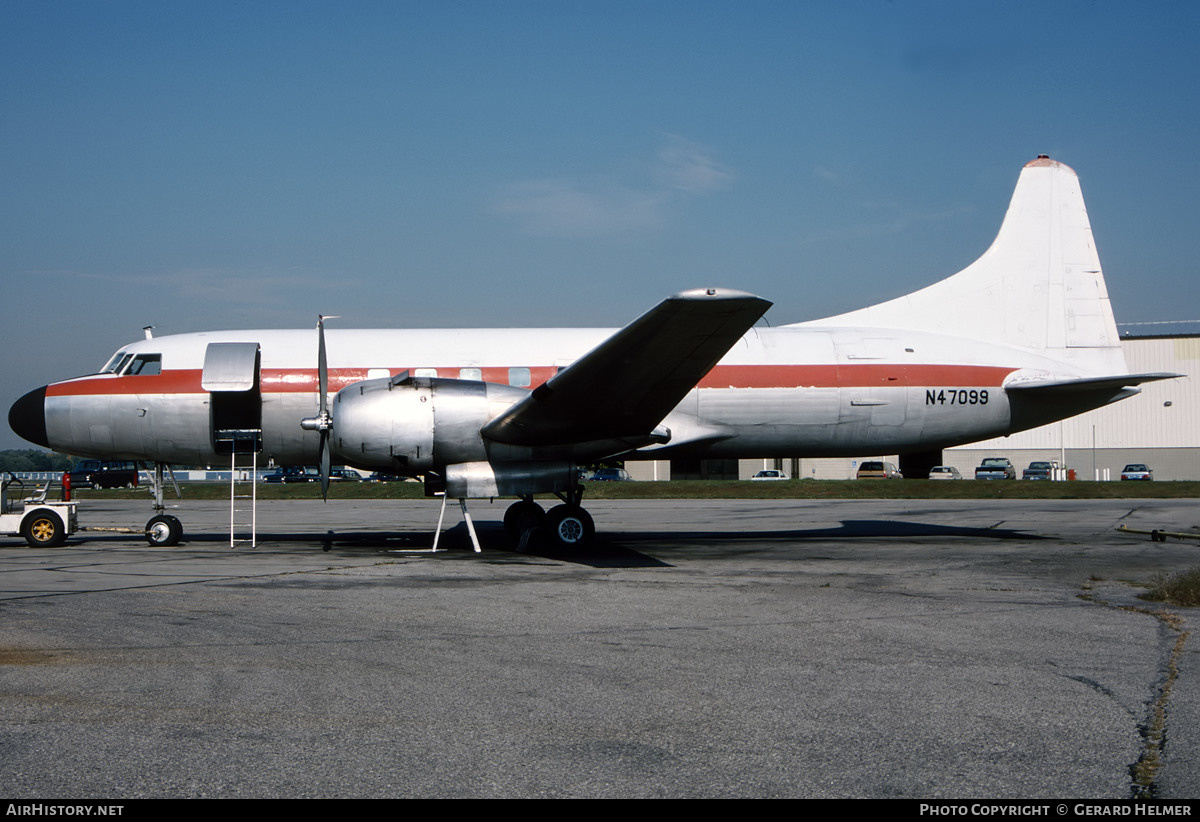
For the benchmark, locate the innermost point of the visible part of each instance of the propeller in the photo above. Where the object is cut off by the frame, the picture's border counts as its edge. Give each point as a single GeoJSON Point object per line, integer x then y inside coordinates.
{"type": "Point", "coordinates": [322, 422]}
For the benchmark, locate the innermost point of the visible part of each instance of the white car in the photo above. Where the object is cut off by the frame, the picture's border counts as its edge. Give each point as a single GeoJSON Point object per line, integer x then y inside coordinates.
{"type": "Point", "coordinates": [1137, 471]}
{"type": "Point", "coordinates": [769, 475]}
{"type": "Point", "coordinates": [944, 472]}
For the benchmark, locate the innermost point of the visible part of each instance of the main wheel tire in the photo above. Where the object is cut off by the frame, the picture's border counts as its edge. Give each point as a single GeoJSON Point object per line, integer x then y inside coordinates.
{"type": "Point", "coordinates": [522, 516]}
{"type": "Point", "coordinates": [43, 529]}
{"type": "Point", "coordinates": [570, 526]}
{"type": "Point", "coordinates": [163, 531]}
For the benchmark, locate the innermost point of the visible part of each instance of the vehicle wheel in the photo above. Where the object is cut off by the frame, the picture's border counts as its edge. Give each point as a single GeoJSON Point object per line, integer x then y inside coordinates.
{"type": "Point", "coordinates": [570, 526]}
{"type": "Point", "coordinates": [164, 531]}
{"type": "Point", "coordinates": [521, 516]}
{"type": "Point", "coordinates": [43, 529]}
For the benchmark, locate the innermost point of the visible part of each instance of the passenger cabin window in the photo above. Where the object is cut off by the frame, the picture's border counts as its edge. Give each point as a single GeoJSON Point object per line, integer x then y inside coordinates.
{"type": "Point", "coordinates": [519, 377]}
{"type": "Point", "coordinates": [424, 372]}
{"type": "Point", "coordinates": [470, 374]}
{"type": "Point", "coordinates": [146, 365]}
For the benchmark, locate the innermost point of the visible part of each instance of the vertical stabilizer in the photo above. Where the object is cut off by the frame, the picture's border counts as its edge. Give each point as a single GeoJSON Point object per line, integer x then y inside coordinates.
{"type": "Point", "coordinates": [1039, 286]}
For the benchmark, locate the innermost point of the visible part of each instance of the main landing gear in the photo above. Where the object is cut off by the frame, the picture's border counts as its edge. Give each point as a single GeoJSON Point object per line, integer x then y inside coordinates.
{"type": "Point", "coordinates": [567, 525]}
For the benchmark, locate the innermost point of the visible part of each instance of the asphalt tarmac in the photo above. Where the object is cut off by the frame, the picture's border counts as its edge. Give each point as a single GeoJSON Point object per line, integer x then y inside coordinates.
{"type": "Point", "coordinates": [700, 649]}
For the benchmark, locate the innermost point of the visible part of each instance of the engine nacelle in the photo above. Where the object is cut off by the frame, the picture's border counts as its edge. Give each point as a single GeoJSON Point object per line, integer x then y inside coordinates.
{"type": "Point", "coordinates": [409, 425]}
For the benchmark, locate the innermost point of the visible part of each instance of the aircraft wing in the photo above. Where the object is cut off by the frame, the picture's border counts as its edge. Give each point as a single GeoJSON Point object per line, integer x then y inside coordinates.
{"type": "Point", "coordinates": [1048, 387]}
{"type": "Point", "coordinates": [625, 386]}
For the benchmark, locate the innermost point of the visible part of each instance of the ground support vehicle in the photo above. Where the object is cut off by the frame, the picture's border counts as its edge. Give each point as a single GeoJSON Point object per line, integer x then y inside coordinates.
{"type": "Point", "coordinates": [43, 524]}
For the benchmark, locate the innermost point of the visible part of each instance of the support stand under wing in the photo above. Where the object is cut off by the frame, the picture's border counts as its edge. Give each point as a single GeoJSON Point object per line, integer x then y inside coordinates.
{"type": "Point", "coordinates": [466, 518]}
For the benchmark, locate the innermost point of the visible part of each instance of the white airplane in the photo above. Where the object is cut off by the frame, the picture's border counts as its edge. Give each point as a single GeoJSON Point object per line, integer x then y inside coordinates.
{"type": "Point", "coordinates": [1021, 337]}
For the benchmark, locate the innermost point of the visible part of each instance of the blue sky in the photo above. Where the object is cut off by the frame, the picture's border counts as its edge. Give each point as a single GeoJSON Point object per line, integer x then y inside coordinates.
{"type": "Point", "coordinates": [213, 164]}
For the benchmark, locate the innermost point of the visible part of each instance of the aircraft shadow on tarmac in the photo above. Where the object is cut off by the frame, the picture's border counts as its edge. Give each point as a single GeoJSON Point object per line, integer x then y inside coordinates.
{"type": "Point", "coordinates": [616, 549]}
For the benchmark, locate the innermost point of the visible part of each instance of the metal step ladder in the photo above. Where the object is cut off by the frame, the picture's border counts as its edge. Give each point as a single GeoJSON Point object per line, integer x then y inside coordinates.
{"type": "Point", "coordinates": [249, 470]}
{"type": "Point", "coordinates": [243, 446]}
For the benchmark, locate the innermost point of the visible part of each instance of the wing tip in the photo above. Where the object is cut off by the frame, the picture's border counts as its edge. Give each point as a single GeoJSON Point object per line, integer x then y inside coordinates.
{"type": "Point", "coordinates": [717, 294]}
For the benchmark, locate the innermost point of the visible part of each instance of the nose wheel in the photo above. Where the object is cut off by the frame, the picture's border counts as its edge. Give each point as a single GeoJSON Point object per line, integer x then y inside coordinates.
{"type": "Point", "coordinates": [164, 530]}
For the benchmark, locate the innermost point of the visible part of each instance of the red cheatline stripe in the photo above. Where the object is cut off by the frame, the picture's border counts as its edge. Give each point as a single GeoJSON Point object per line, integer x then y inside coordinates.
{"type": "Point", "coordinates": [279, 381]}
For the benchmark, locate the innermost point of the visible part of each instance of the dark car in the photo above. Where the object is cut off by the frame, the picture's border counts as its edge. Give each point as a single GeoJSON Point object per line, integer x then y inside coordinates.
{"type": "Point", "coordinates": [293, 473]}
{"type": "Point", "coordinates": [310, 473]}
{"type": "Point", "coordinates": [611, 475]}
{"type": "Point", "coordinates": [104, 474]}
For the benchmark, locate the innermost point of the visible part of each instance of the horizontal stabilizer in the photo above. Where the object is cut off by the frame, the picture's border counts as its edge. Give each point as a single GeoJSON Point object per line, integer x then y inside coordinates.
{"type": "Point", "coordinates": [1087, 383]}
{"type": "Point", "coordinates": [624, 387]}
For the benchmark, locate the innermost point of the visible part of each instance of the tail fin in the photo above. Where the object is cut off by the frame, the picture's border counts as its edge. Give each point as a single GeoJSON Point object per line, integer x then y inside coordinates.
{"type": "Point", "coordinates": [1039, 286]}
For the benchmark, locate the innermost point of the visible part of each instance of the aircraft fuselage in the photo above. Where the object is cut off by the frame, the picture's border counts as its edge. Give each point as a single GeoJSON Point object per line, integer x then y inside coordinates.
{"type": "Point", "coordinates": [790, 391]}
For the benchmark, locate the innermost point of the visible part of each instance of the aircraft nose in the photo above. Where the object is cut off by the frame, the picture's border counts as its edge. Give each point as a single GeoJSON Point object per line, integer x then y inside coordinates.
{"type": "Point", "coordinates": [27, 417]}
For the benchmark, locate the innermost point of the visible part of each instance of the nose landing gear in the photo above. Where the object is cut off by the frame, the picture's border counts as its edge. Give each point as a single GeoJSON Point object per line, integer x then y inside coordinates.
{"type": "Point", "coordinates": [163, 530]}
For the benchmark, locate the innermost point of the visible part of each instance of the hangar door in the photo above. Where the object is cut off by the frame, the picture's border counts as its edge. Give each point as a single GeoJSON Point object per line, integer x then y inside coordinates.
{"type": "Point", "coordinates": [231, 376]}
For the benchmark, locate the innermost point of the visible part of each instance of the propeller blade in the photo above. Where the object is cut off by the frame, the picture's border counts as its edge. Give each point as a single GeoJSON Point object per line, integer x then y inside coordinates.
{"type": "Point", "coordinates": [323, 422]}
{"type": "Point", "coordinates": [326, 468]}
{"type": "Point", "coordinates": [322, 366]}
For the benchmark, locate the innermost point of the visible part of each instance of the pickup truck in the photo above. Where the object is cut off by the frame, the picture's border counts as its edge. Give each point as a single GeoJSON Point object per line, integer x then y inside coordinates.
{"type": "Point", "coordinates": [1038, 471]}
{"type": "Point", "coordinates": [996, 468]}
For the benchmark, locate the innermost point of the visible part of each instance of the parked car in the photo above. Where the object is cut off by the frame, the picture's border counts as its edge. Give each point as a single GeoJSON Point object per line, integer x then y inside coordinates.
{"type": "Point", "coordinates": [104, 474]}
{"type": "Point", "coordinates": [1038, 471]}
{"type": "Point", "coordinates": [996, 468]}
{"type": "Point", "coordinates": [289, 473]}
{"type": "Point", "coordinates": [874, 469]}
{"type": "Point", "coordinates": [611, 475]}
{"type": "Point", "coordinates": [1137, 471]}
{"type": "Point", "coordinates": [769, 475]}
{"type": "Point", "coordinates": [944, 472]}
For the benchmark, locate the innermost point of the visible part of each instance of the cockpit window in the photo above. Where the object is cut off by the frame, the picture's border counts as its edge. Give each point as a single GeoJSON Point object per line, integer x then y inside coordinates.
{"type": "Point", "coordinates": [118, 361]}
{"type": "Point", "coordinates": [124, 362]}
{"type": "Point", "coordinates": [146, 365]}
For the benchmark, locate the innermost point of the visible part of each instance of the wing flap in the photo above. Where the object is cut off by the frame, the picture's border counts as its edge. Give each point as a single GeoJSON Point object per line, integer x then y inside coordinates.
{"type": "Point", "coordinates": [625, 386]}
